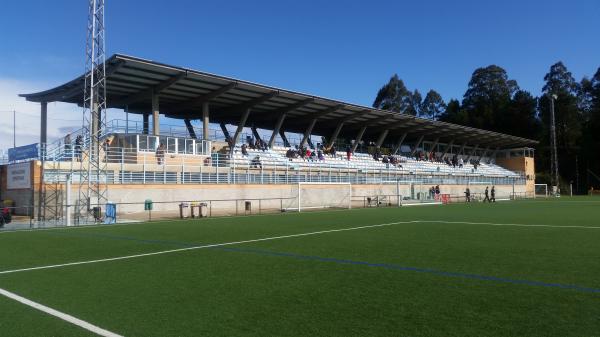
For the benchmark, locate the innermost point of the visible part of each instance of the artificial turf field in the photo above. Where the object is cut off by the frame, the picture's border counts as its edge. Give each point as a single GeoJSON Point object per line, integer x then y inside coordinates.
{"type": "Point", "coordinates": [520, 268]}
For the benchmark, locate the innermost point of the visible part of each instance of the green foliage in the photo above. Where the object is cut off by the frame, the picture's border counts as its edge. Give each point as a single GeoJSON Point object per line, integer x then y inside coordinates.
{"type": "Point", "coordinates": [433, 106]}
{"type": "Point", "coordinates": [393, 96]}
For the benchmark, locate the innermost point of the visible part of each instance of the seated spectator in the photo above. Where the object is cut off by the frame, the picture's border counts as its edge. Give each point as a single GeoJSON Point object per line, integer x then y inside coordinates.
{"type": "Point", "coordinates": [385, 160]}
{"type": "Point", "coordinates": [256, 162]}
{"type": "Point", "coordinates": [308, 154]}
{"type": "Point", "coordinates": [461, 163]}
{"type": "Point", "coordinates": [332, 151]}
{"type": "Point", "coordinates": [244, 150]}
{"type": "Point", "coordinates": [348, 153]}
{"type": "Point", "coordinates": [320, 155]}
{"type": "Point", "coordinates": [313, 156]}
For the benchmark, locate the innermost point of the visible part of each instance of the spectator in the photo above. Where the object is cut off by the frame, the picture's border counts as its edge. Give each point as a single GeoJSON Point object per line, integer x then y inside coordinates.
{"type": "Point", "coordinates": [487, 195]}
{"type": "Point", "coordinates": [493, 198]}
{"type": "Point", "coordinates": [348, 153]}
{"type": "Point", "coordinates": [160, 154]}
{"type": "Point", "coordinates": [256, 162]}
{"type": "Point", "coordinates": [313, 156]}
{"type": "Point", "coordinates": [308, 154]}
{"type": "Point", "coordinates": [467, 195]}
{"type": "Point", "coordinates": [332, 151]}
{"type": "Point", "coordinates": [106, 148]}
{"type": "Point", "coordinates": [244, 150]}
{"type": "Point", "coordinates": [320, 155]}
{"type": "Point", "coordinates": [437, 190]}
{"type": "Point", "coordinates": [460, 162]}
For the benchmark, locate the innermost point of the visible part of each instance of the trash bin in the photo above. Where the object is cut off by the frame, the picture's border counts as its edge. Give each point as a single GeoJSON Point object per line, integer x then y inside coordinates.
{"type": "Point", "coordinates": [10, 204]}
{"type": "Point", "coordinates": [248, 206]}
{"type": "Point", "coordinates": [97, 212]}
{"type": "Point", "coordinates": [203, 210]}
{"type": "Point", "coordinates": [111, 213]}
{"type": "Point", "coordinates": [148, 205]}
{"type": "Point", "coordinates": [182, 213]}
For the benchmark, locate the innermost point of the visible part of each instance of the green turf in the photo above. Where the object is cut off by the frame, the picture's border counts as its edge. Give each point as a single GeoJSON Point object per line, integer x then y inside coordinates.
{"type": "Point", "coordinates": [345, 283]}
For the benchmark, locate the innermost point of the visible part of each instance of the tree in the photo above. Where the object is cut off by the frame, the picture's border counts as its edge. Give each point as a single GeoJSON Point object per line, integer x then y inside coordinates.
{"type": "Point", "coordinates": [433, 105]}
{"type": "Point", "coordinates": [393, 96]}
{"type": "Point", "coordinates": [488, 97]}
{"type": "Point", "coordinates": [415, 101]}
{"type": "Point", "coordinates": [520, 119]}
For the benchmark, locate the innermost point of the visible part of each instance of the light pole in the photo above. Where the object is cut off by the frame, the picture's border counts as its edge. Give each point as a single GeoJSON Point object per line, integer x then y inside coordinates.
{"type": "Point", "coordinates": [554, 153]}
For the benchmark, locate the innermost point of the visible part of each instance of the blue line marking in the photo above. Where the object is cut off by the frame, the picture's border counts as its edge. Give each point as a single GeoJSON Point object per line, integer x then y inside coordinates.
{"type": "Point", "coordinates": [347, 262]}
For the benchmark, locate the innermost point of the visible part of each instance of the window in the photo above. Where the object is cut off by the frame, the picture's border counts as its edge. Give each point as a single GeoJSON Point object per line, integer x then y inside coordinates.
{"type": "Point", "coordinates": [189, 146]}
{"type": "Point", "coordinates": [171, 145]}
{"type": "Point", "coordinates": [181, 145]}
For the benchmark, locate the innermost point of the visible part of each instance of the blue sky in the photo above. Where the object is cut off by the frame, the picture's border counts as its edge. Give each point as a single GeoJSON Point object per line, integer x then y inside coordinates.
{"type": "Point", "coordinates": [339, 49]}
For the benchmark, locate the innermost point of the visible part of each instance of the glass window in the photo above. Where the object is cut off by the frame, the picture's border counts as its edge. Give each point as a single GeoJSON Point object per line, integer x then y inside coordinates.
{"type": "Point", "coordinates": [142, 143]}
{"type": "Point", "coordinates": [189, 146]}
{"type": "Point", "coordinates": [180, 145]}
{"type": "Point", "coordinates": [171, 145]}
{"type": "Point", "coordinates": [152, 143]}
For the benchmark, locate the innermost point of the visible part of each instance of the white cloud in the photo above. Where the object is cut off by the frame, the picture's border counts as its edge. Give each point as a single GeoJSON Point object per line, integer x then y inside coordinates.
{"type": "Point", "coordinates": [62, 118]}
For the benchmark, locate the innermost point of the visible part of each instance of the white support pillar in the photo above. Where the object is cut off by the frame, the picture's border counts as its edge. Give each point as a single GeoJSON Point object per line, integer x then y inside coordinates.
{"type": "Point", "coordinates": [361, 132]}
{"type": "Point", "coordinates": [205, 120]}
{"type": "Point", "coordinates": [155, 115]}
{"type": "Point", "coordinates": [278, 126]}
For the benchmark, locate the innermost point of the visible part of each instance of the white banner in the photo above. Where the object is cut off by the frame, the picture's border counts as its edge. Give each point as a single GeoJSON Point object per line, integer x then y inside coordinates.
{"type": "Point", "coordinates": [18, 176]}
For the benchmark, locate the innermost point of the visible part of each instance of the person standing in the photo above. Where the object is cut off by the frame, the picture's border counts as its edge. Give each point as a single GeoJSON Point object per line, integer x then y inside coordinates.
{"type": "Point", "coordinates": [468, 195]}
{"type": "Point", "coordinates": [493, 199]}
{"type": "Point", "coordinates": [487, 194]}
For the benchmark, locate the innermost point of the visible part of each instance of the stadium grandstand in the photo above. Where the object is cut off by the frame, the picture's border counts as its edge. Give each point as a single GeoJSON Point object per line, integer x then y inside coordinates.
{"type": "Point", "coordinates": [260, 143]}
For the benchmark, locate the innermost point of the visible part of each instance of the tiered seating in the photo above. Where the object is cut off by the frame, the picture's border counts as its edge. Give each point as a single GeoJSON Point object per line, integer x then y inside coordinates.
{"type": "Point", "coordinates": [276, 158]}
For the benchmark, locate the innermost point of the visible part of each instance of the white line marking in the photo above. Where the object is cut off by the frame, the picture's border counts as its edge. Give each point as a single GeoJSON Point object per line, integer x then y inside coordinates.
{"type": "Point", "coordinates": [508, 224]}
{"type": "Point", "coordinates": [277, 238]}
{"type": "Point", "coordinates": [65, 317]}
{"type": "Point", "coordinates": [200, 247]}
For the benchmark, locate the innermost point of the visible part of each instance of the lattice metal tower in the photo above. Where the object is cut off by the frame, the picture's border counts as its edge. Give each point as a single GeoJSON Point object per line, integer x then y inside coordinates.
{"type": "Point", "coordinates": [92, 183]}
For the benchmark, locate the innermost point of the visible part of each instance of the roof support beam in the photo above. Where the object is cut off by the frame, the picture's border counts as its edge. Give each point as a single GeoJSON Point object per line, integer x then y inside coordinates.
{"type": "Point", "coordinates": [190, 128]}
{"type": "Point", "coordinates": [414, 150]}
{"type": "Point", "coordinates": [462, 149]}
{"type": "Point", "coordinates": [399, 144]}
{"type": "Point", "coordinates": [361, 132]}
{"type": "Point", "coordinates": [334, 135]}
{"type": "Point", "coordinates": [276, 129]}
{"type": "Point", "coordinates": [240, 127]}
{"type": "Point", "coordinates": [308, 132]}
{"type": "Point", "coordinates": [286, 143]}
{"type": "Point", "coordinates": [448, 147]}
{"type": "Point", "coordinates": [472, 153]}
{"type": "Point", "coordinates": [155, 90]}
{"type": "Point", "coordinates": [435, 143]}
{"type": "Point", "coordinates": [483, 153]}
{"type": "Point", "coordinates": [203, 98]}
{"type": "Point", "coordinates": [255, 133]}
{"type": "Point", "coordinates": [382, 138]}
{"type": "Point", "coordinates": [226, 134]}
{"type": "Point", "coordinates": [146, 123]}
{"type": "Point", "coordinates": [493, 155]}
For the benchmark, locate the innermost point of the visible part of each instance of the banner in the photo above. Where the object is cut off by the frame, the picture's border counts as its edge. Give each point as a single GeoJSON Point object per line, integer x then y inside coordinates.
{"type": "Point", "coordinates": [18, 176]}
{"type": "Point", "coordinates": [23, 152]}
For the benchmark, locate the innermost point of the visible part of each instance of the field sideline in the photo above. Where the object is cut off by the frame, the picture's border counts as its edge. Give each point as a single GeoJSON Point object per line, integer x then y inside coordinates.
{"type": "Point", "coordinates": [521, 268]}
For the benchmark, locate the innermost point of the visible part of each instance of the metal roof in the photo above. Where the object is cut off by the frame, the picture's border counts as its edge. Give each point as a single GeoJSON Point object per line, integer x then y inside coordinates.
{"type": "Point", "coordinates": [130, 82]}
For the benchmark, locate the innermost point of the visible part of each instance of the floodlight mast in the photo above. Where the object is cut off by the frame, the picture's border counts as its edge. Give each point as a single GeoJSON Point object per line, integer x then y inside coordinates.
{"type": "Point", "coordinates": [92, 184]}
{"type": "Point", "coordinates": [554, 152]}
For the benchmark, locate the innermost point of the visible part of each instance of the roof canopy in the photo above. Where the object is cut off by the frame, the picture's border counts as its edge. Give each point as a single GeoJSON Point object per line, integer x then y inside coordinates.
{"type": "Point", "coordinates": [131, 82]}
